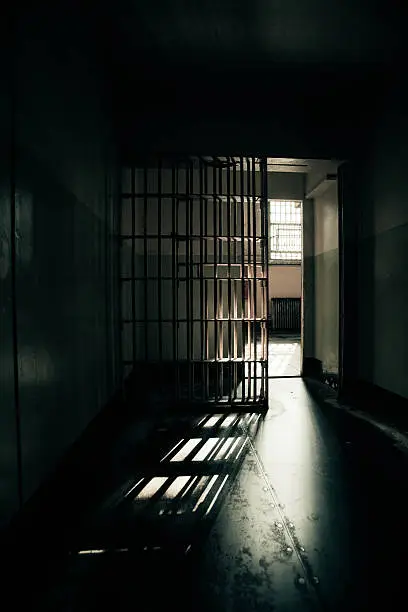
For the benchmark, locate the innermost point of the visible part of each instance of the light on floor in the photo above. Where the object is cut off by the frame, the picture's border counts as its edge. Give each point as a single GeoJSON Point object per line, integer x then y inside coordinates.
{"type": "Point", "coordinates": [176, 486]}
{"type": "Point", "coordinates": [217, 495]}
{"type": "Point", "coordinates": [206, 449]}
{"type": "Point", "coordinates": [151, 487]}
{"type": "Point", "coordinates": [205, 492]}
{"type": "Point", "coordinates": [186, 449]}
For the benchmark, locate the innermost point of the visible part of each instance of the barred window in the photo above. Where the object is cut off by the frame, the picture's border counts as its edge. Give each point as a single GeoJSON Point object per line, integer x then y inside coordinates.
{"type": "Point", "coordinates": [285, 231]}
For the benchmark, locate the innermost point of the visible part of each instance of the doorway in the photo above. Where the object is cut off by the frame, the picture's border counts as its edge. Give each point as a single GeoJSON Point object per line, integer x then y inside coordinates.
{"type": "Point", "coordinates": [285, 287]}
{"type": "Point", "coordinates": [228, 274]}
{"type": "Point", "coordinates": [304, 278]}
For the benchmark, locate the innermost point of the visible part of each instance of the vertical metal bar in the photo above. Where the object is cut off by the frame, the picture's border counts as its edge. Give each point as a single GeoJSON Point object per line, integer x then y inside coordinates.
{"type": "Point", "coordinates": [133, 271]}
{"type": "Point", "coordinates": [235, 285]}
{"type": "Point", "coordinates": [265, 250]}
{"type": "Point", "coordinates": [250, 274]}
{"type": "Point", "coordinates": [215, 288]}
{"type": "Point", "coordinates": [188, 278]}
{"type": "Point", "coordinates": [159, 255]}
{"type": "Point", "coordinates": [190, 204]}
{"type": "Point", "coordinates": [174, 276]}
{"type": "Point", "coordinates": [243, 278]}
{"type": "Point", "coordinates": [234, 199]}
{"type": "Point", "coordinates": [119, 254]}
{"type": "Point", "coordinates": [177, 215]}
{"type": "Point", "coordinates": [263, 281]}
{"type": "Point", "coordinates": [229, 244]}
{"type": "Point", "coordinates": [145, 271]}
{"type": "Point", "coordinates": [206, 210]}
{"type": "Point", "coordinates": [206, 355]}
{"type": "Point", "coordinates": [221, 284]}
{"type": "Point", "coordinates": [255, 237]}
{"type": "Point", "coordinates": [201, 273]}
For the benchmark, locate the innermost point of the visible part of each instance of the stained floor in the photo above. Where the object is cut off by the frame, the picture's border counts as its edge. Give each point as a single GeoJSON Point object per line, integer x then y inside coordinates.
{"type": "Point", "coordinates": [303, 509]}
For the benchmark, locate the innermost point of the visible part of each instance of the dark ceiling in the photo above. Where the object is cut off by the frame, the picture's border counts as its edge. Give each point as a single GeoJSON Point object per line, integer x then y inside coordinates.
{"type": "Point", "coordinates": [266, 30]}
{"type": "Point", "coordinates": [285, 77]}
{"type": "Point", "coordinates": [282, 77]}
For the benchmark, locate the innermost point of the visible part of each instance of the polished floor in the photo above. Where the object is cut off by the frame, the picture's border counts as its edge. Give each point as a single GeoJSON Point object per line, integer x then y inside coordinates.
{"type": "Point", "coordinates": [303, 509]}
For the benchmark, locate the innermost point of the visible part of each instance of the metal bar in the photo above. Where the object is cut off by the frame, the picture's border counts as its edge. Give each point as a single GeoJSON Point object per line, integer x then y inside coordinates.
{"type": "Point", "coordinates": [206, 373]}
{"type": "Point", "coordinates": [225, 360]}
{"type": "Point", "coordinates": [243, 280]}
{"type": "Point", "coordinates": [189, 203]}
{"type": "Point", "coordinates": [206, 209]}
{"type": "Point", "coordinates": [220, 296]}
{"type": "Point", "coordinates": [234, 289]}
{"type": "Point", "coordinates": [206, 367]}
{"type": "Point", "coordinates": [255, 281]}
{"type": "Point", "coordinates": [159, 256]}
{"type": "Point", "coordinates": [234, 190]}
{"type": "Point", "coordinates": [145, 261]}
{"type": "Point", "coordinates": [195, 319]}
{"type": "Point", "coordinates": [119, 246]}
{"type": "Point", "coordinates": [180, 196]}
{"type": "Point", "coordinates": [263, 268]}
{"type": "Point", "coordinates": [250, 276]}
{"type": "Point", "coordinates": [188, 284]}
{"type": "Point", "coordinates": [215, 292]}
{"type": "Point", "coordinates": [197, 237]}
{"type": "Point", "coordinates": [174, 280]}
{"type": "Point", "coordinates": [235, 283]}
{"type": "Point", "coordinates": [129, 279]}
{"type": "Point", "coordinates": [201, 273]}
{"type": "Point", "coordinates": [176, 293]}
{"type": "Point", "coordinates": [229, 244]}
{"type": "Point", "coordinates": [265, 251]}
{"type": "Point", "coordinates": [133, 271]}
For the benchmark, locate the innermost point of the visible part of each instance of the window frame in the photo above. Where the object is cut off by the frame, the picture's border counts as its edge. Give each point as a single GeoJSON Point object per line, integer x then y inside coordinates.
{"type": "Point", "coordinates": [285, 261]}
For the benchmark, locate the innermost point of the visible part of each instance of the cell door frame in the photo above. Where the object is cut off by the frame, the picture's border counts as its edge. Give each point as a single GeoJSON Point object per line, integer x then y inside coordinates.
{"type": "Point", "coordinates": [252, 197]}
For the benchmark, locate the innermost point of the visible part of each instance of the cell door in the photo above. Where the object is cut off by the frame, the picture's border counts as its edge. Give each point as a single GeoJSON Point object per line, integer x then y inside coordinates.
{"type": "Point", "coordinates": [194, 276]}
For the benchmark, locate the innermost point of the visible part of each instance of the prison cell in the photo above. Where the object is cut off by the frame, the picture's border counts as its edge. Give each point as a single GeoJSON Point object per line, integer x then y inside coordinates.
{"type": "Point", "coordinates": [194, 282]}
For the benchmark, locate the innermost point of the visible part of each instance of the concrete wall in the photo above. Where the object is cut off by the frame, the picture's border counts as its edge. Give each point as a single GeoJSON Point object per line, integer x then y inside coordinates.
{"type": "Point", "coordinates": [326, 281]}
{"type": "Point", "coordinates": [286, 185]}
{"type": "Point", "coordinates": [9, 498]}
{"type": "Point", "coordinates": [285, 281]}
{"type": "Point", "coordinates": [308, 281]}
{"type": "Point", "coordinates": [321, 310]}
{"type": "Point", "coordinates": [383, 254]}
{"type": "Point", "coordinates": [64, 198]}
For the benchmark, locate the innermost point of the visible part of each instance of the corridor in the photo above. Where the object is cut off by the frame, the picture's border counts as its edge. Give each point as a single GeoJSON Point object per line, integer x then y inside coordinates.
{"type": "Point", "coordinates": [155, 229]}
{"type": "Point", "coordinates": [302, 510]}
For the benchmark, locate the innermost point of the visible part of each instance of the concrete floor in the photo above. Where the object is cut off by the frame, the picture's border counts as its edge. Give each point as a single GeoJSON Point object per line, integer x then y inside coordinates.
{"type": "Point", "coordinates": [302, 510]}
{"type": "Point", "coordinates": [284, 356]}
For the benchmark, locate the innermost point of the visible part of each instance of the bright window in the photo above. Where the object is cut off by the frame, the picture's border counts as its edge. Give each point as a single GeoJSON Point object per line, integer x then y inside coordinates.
{"type": "Point", "coordinates": [285, 231]}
